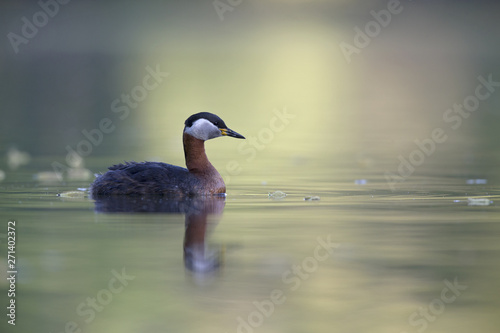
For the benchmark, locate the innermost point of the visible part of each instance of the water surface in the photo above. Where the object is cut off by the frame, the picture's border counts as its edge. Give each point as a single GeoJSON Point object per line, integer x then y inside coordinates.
{"type": "Point", "coordinates": [362, 258]}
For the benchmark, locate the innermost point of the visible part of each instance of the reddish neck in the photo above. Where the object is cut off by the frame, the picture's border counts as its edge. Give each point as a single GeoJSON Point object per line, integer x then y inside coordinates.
{"type": "Point", "coordinates": [194, 152]}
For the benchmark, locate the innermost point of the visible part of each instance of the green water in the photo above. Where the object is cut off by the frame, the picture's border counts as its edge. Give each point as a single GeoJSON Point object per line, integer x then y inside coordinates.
{"type": "Point", "coordinates": [387, 265]}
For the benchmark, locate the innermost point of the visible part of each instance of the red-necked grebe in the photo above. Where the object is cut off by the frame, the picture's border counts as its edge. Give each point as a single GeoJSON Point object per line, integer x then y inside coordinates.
{"type": "Point", "coordinates": [200, 177]}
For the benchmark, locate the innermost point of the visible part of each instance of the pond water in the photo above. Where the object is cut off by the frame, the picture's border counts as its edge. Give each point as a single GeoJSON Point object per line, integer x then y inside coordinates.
{"type": "Point", "coordinates": [341, 252]}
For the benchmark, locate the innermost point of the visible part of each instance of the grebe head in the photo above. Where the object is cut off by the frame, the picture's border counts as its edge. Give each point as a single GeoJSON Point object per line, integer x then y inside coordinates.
{"type": "Point", "coordinates": [206, 126]}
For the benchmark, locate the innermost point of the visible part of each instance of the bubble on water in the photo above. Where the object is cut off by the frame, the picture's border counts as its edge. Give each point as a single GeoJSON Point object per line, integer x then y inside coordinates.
{"type": "Point", "coordinates": [479, 201]}
{"type": "Point", "coordinates": [277, 195]}
{"type": "Point", "coordinates": [479, 181]}
{"type": "Point", "coordinates": [72, 194]}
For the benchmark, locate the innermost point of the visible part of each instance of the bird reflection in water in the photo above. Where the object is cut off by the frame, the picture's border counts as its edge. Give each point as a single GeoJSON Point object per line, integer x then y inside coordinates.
{"type": "Point", "coordinates": [201, 215]}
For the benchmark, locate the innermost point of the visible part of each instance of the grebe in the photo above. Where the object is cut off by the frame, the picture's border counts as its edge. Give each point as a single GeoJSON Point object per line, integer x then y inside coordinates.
{"type": "Point", "coordinates": [200, 177]}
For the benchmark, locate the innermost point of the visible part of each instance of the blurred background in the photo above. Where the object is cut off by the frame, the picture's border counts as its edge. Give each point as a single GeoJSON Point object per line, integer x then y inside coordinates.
{"type": "Point", "coordinates": [243, 61]}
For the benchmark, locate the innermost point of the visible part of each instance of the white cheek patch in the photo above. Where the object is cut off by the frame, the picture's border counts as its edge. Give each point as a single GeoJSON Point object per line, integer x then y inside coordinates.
{"type": "Point", "coordinates": [203, 129]}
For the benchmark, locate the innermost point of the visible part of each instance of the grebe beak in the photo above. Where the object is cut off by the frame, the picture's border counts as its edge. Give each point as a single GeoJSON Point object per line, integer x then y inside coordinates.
{"type": "Point", "coordinates": [231, 133]}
